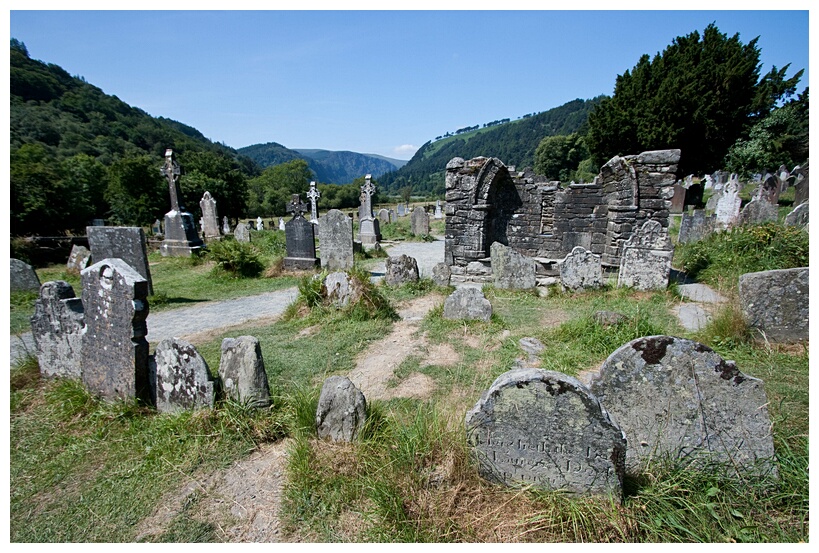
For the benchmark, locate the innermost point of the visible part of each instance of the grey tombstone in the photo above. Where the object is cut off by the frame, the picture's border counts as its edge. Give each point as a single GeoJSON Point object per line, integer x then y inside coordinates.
{"type": "Point", "coordinates": [369, 231]}
{"type": "Point", "coordinates": [646, 260]}
{"type": "Point", "coordinates": [510, 269]}
{"type": "Point", "coordinates": [78, 259]}
{"type": "Point", "coordinates": [799, 217]}
{"type": "Point", "coordinates": [419, 223]}
{"type": "Point", "coordinates": [709, 182]}
{"type": "Point", "coordinates": [126, 243]}
{"type": "Point", "coordinates": [341, 411]}
{"type": "Point", "coordinates": [769, 190]}
{"type": "Point", "coordinates": [22, 276]}
{"type": "Point", "coordinates": [401, 210]}
{"type": "Point", "coordinates": [259, 223]}
{"type": "Point", "coordinates": [678, 400]}
{"type": "Point", "coordinates": [282, 224]}
{"type": "Point", "coordinates": [98, 222]}
{"type": "Point", "coordinates": [581, 269]}
{"type": "Point", "coordinates": [384, 216]}
{"type": "Point", "coordinates": [546, 430]}
{"type": "Point", "coordinates": [336, 241]}
{"type": "Point", "coordinates": [728, 205]}
{"type": "Point", "coordinates": [242, 232]}
{"type": "Point", "coordinates": [467, 304]}
{"type": "Point", "coordinates": [342, 289]}
{"type": "Point", "coordinates": [401, 269]}
{"type": "Point", "coordinates": [392, 216]}
{"type": "Point", "coordinates": [225, 226]}
{"type": "Point", "coordinates": [181, 238]}
{"type": "Point", "coordinates": [695, 226]}
{"type": "Point", "coordinates": [711, 203]}
{"type": "Point", "coordinates": [114, 348]}
{"type": "Point", "coordinates": [58, 325]}
{"type": "Point", "coordinates": [438, 213]}
{"type": "Point", "coordinates": [441, 274]}
{"type": "Point", "coordinates": [775, 304]}
{"type": "Point", "coordinates": [801, 187]}
{"type": "Point", "coordinates": [210, 216]}
{"type": "Point", "coordinates": [757, 212]}
{"type": "Point", "coordinates": [242, 372]}
{"type": "Point", "coordinates": [365, 211]}
{"type": "Point", "coordinates": [156, 228]}
{"type": "Point", "coordinates": [182, 377]}
{"type": "Point", "coordinates": [300, 238]}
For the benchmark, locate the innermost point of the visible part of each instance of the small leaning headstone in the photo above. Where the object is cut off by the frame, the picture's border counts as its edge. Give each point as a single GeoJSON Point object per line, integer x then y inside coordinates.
{"type": "Point", "coordinates": [545, 429]}
{"type": "Point", "coordinates": [182, 377]}
{"type": "Point", "coordinates": [126, 243]}
{"type": "Point", "coordinates": [467, 304]}
{"type": "Point", "coordinates": [581, 269]}
{"type": "Point", "coordinates": [57, 326]}
{"type": "Point", "coordinates": [441, 274]}
{"type": "Point", "coordinates": [242, 232]}
{"type": "Point", "coordinates": [23, 277]}
{"type": "Point", "coordinates": [78, 259]}
{"type": "Point", "coordinates": [400, 269]}
{"type": "Point", "coordinates": [341, 411]}
{"type": "Point", "coordinates": [241, 369]}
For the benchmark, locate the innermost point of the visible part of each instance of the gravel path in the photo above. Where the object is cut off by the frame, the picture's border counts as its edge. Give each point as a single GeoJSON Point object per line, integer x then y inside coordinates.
{"type": "Point", "coordinates": [211, 316]}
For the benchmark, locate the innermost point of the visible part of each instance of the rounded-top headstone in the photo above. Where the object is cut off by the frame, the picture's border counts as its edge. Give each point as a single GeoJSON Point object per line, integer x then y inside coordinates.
{"type": "Point", "coordinates": [23, 277]}
{"type": "Point", "coordinates": [678, 400]}
{"type": "Point", "coordinates": [182, 377]}
{"type": "Point", "coordinates": [241, 369]}
{"type": "Point", "coordinates": [545, 429]}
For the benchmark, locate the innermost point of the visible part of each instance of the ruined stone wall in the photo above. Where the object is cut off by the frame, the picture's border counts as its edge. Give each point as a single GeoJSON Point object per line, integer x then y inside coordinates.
{"type": "Point", "coordinates": [485, 203]}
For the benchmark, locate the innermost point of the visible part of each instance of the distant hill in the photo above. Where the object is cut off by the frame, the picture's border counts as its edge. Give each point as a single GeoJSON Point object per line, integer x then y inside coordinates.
{"type": "Point", "coordinates": [513, 142]}
{"type": "Point", "coordinates": [329, 167]}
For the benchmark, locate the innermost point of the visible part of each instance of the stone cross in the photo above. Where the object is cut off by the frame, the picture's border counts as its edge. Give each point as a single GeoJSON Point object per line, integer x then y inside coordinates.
{"type": "Point", "coordinates": [296, 206]}
{"type": "Point", "coordinates": [171, 171]}
{"type": "Point", "coordinates": [367, 191]}
{"type": "Point", "coordinates": [313, 195]}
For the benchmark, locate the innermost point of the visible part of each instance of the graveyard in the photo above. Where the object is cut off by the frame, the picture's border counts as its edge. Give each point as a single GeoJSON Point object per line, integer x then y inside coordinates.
{"type": "Point", "coordinates": [551, 362]}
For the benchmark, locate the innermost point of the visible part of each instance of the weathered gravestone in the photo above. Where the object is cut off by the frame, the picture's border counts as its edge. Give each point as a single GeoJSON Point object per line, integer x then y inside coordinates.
{"type": "Point", "coordinates": [545, 429]}
{"type": "Point", "coordinates": [678, 400]}
{"type": "Point", "coordinates": [58, 326]}
{"type": "Point", "coordinates": [695, 226]}
{"type": "Point", "coordinates": [210, 216]}
{"type": "Point", "coordinates": [114, 348]}
{"type": "Point", "coordinates": [365, 210]}
{"type": "Point", "coordinates": [369, 231]}
{"type": "Point", "coordinates": [384, 216]}
{"type": "Point", "coordinates": [419, 222]}
{"type": "Point", "coordinates": [678, 199]}
{"type": "Point", "coordinates": [126, 243]}
{"type": "Point", "coordinates": [342, 289]}
{"type": "Point", "coordinates": [341, 411]}
{"type": "Point", "coordinates": [438, 213]}
{"type": "Point", "coordinates": [801, 187]}
{"type": "Point", "coordinates": [401, 210]}
{"type": "Point", "coordinates": [181, 376]}
{"type": "Point", "coordinates": [242, 232]}
{"type": "Point", "coordinates": [775, 303]}
{"type": "Point", "coordinates": [313, 195]}
{"type": "Point", "coordinates": [22, 276]}
{"type": "Point", "coordinates": [727, 208]}
{"type": "Point", "coordinates": [78, 259]}
{"type": "Point", "coordinates": [581, 269]}
{"type": "Point", "coordinates": [400, 269]}
{"type": "Point", "coordinates": [510, 269]}
{"type": "Point", "coordinates": [336, 241]}
{"type": "Point", "coordinates": [241, 370]}
{"type": "Point", "coordinates": [225, 226]}
{"type": "Point", "coordinates": [769, 189]}
{"type": "Point", "coordinates": [646, 260]}
{"type": "Point", "coordinates": [300, 238]}
{"type": "Point", "coordinates": [468, 304]}
{"type": "Point", "coordinates": [757, 212]}
{"type": "Point", "coordinates": [713, 200]}
{"type": "Point", "coordinates": [799, 217]}
{"type": "Point", "coordinates": [181, 238]}
{"type": "Point", "coordinates": [441, 274]}
{"type": "Point", "coordinates": [156, 228]}
{"type": "Point", "coordinates": [259, 223]}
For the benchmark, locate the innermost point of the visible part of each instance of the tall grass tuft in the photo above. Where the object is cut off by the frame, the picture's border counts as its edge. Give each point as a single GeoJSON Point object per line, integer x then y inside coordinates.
{"type": "Point", "coordinates": [237, 259]}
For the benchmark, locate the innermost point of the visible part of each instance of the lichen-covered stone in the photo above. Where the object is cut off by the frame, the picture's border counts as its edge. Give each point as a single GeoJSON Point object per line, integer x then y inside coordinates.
{"type": "Point", "coordinates": [182, 378]}
{"type": "Point", "coordinates": [695, 226]}
{"type": "Point", "coordinates": [441, 274]}
{"type": "Point", "coordinates": [775, 304]}
{"type": "Point", "coordinates": [114, 348]}
{"type": "Point", "coordinates": [799, 217]}
{"type": "Point", "coordinates": [242, 232]}
{"type": "Point", "coordinates": [342, 289]}
{"type": "Point", "coordinates": [678, 400]}
{"type": "Point", "coordinates": [467, 304]}
{"type": "Point", "coordinates": [581, 269]}
{"type": "Point", "coordinates": [545, 429]}
{"type": "Point", "coordinates": [341, 411]}
{"type": "Point", "coordinates": [757, 212]}
{"type": "Point", "coordinates": [58, 325]}
{"type": "Point", "coordinates": [400, 269]}
{"type": "Point", "coordinates": [126, 243]}
{"type": "Point", "coordinates": [78, 259]}
{"type": "Point", "coordinates": [646, 260]}
{"type": "Point", "coordinates": [241, 369]}
{"type": "Point", "coordinates": [336, 241]}
{"type": "Point", "coordinates": [510, 269]}
{"type": "Point", "coordinates": [419, 222]}
{"type": "Point", "coordinates": [22, 276]}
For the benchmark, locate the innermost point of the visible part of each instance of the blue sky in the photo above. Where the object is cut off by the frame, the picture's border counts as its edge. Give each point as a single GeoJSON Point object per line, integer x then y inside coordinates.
{"type": "Point", "coordinates": [380, 82]}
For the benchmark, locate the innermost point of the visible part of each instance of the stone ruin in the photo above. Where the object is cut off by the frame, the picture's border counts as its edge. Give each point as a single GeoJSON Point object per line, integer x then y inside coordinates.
{"type": "Point", "coordinates": [538, 218]}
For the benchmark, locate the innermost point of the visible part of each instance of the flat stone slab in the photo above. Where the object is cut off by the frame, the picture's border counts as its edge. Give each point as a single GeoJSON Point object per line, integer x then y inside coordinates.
{"type": "Point", "coordinates": [701, 293]}
{"type": "Point", "coordinates": [692, 316]}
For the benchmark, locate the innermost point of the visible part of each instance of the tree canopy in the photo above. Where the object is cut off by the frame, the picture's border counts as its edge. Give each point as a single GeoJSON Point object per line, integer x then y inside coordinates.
{"type": "Point", "coordinates": [701, 94]}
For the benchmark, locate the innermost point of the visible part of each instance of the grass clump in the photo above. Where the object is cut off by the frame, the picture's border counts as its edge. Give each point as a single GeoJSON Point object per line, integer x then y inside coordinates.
{"type": "Point", "coordinates": [366, 301]}
{"type": "Point", "coordinates": [722, 257]}
{"type": "Point", "coordinates": [237, 259]}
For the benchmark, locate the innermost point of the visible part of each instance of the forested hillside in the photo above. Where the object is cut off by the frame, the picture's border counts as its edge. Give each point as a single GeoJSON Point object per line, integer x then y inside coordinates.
{"type": "Point", "coordinates": [78, 154]}
{"type": "Point", "coordinates": [331, 167]}
{"type": "Point", "coordinates": [512, 142]}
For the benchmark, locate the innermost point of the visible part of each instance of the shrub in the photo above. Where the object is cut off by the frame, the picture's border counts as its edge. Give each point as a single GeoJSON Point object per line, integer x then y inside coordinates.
{"type": "Point", "coordinates": [239, 259]}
